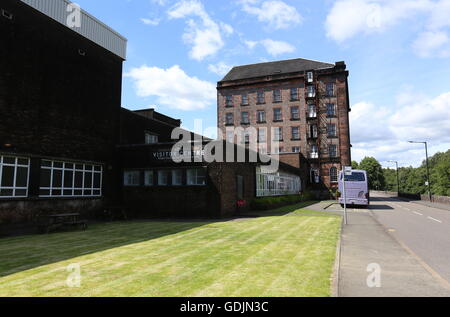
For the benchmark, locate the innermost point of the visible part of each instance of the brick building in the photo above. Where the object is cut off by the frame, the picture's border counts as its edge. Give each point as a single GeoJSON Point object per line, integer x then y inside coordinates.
{"type": "Point", "coordinates": [60, 100]}
{"type": "Point", "coordinates": [302, 104]}
{"type": "Point", "coordinates": [66, 145]}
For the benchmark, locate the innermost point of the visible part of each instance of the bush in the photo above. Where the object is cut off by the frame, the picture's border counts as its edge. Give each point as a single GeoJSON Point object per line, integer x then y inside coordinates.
{"type": "Point", "coordinates": [267, 203]}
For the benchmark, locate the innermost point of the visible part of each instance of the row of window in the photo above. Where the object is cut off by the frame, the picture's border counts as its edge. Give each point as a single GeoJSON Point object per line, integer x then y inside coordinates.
{"type": "Point", "coordinates": [278, 115]}
{"type": "Point", "coordinates": [57, 179]}
{"type": "Point", "coordinates": [276, 184]}
{"type": "Point", "coordinates": [315, 178]}
{"type": "Point", "coordinates": [277, 95]}
{"type": "Point", "coordinates": [63, 179]}
{"type": "Point", "coordinates": [165, 177]}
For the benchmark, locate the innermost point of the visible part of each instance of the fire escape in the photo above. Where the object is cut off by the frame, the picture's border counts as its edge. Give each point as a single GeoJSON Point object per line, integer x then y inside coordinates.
{"type": "Point", "coordinates": [314, 126]}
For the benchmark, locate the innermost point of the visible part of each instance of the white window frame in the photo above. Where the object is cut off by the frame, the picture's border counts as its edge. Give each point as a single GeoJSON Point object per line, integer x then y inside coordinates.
{"type": "Point", "coordinates": [74, 169]}
{"type": "Point", "coordinates": [146, 178]}
{"type": "Point", "coordinates": [162, 172]}
{"type": "Point", "coordinates": [334, 177]}
{"type": "Point", "coordinates": [276, 184]}
{"type": "Point", "coordinates": [16, 165]}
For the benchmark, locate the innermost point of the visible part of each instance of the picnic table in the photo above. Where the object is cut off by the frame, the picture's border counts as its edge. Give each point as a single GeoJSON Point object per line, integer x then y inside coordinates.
{"type": "Point", "coordinates": [56, 221]}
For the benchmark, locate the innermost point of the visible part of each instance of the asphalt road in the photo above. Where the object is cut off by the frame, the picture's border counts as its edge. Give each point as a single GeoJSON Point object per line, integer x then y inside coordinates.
{"type": "Point", "coordinates": [423, 230]}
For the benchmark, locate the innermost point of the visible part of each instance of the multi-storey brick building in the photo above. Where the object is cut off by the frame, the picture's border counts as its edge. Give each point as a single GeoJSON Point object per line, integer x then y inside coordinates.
{"type": "Point", "coordinates": [301, 103]}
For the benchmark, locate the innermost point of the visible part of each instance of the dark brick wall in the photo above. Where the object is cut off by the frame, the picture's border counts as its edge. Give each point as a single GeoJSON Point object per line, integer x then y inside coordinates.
{"type": "Point", "coordinates": [55, 102]}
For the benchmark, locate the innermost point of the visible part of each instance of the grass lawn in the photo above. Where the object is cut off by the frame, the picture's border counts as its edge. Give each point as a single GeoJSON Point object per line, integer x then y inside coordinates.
{"type": "Point", "coordinates": [283, 255]}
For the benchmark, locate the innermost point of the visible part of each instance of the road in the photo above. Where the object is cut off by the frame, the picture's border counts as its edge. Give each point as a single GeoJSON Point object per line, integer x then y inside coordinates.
{"type": "Point", "coordinates": [423, 230]}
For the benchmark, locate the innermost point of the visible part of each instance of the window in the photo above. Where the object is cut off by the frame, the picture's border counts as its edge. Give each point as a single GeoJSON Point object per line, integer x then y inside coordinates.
{"type": "Point", "coordinates": [331, 110]}
{"type": "Point", "coordinates": [295, 149]}
{"type": "Point", "coordinates": [229, 119]}
{"type": "Point", "coordinates": [72, 179]}
{"type": "Point", "coordinates": [277, 95]}
{"type": "Point", "coordinates": [229, 101]}
{"type": "Point", "coordinates": [262, 132]}
{"type": "Point", "coordinates": [333, 175]}
{"type": "Point", "coordinates": [262, 149]}
{"type": "Point", "coordinates": [312, 131]}
{"type": "Point", "coordinates": [151, 138]}
{"type": "Point", "coordinates": [14, 173]}
{"type": "Point", "coordinates": [310, 77]}
{"type": "Point", "coordinates": [311, 91]}
{"type": "Point", "coordinates": [149, 178]}
{"type": "Point", "coordinates": [295, 133]}
{"type": "Point", "coordinates": [277, 115]}
{"type": "Point", "coordinates": [245, 118]}
{"type": "Point", "coordinates": [276, 184]}
{"type": "Point", "coordinates": [131, 178]}
{"type": "Point", "coordinates": [260, 97]}
{"type": "Point", "coordinates": [196, 177]}
{"type": "Point", "coordinates": [332, 150]}
{"type": "Point", "coordinates": [230, 136]}
{"type": "Point", "coordinates": [295, 113]}
{"type": "Point", "coordinates": [331, 130]}
{"type": "Point", "coordinates": [314, 153]}
{"type": "Point", "coordinates": [163, 178]}
{"type": "Point", "coordinates": [312, 111]}
{"type": "Point", "coordinates": [278, 134]}
{"type": "Point", "coordinates": [294, 94]}
{"type": "Point", "coordinates": [261, 116]}
{"type": "Point", "coordinates": [330, 89]}
{"type": "Point", "coordinates": [244, 100]}
{"type": "Point", "coordinates": [246, 137]}
{"type": "Point", "coordinates": [177, 177]}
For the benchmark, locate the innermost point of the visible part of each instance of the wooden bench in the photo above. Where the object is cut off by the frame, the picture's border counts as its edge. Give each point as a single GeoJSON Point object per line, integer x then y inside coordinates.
{"type": "Point", "coordinates": [56, 221]}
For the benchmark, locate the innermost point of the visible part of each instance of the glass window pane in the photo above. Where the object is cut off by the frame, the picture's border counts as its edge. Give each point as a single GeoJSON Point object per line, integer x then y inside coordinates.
{"type": "Point", "coordinates": [21, 193]}
{"type": "Point", "coordinates": [57, 178]}
{"type": "Point", "coordinates": [6, 193]}
{"type": "Point", "coordinates": [22, 177]}
{"type": "Point", "coordinates": [46, 163]}
{"type": "Point", "coordinates": [87, 193]}
{"type": "Point", "coordinates": [56, 192]}
{"type": "Point", "coordinates": [8, 176]}
{"type": "Point", "coordinates": [44, 192]}
{"type": "Point", "coordinates": [58, 164]}
{"type": "Point", "coordinates": [68, 165]}
{"type": "Point", "coordinates": [79, 166]}
{"type": "Point", "coordinates": [45, 177]}
{"type": "Point", "coordinates": [78, 179]}
{"type": "Point", "coordinates": [88, 167]}
{"type": "Point", "coordinates": [21, 161]}
{"type": "Point", "coordinates": [148, 178]}
{"type": "Point", "coordinates": [9, 160]}
{"type": "Point", "coordinates": [68, 179]}
{"type": "Point", "coordinates": [97, 178]}
{"type": "Point", "coordinates": [88, 180]}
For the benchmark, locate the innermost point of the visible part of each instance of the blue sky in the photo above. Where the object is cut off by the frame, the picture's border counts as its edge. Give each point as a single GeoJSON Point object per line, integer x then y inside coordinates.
{"type": "Point", "coordinates": [397, 51]}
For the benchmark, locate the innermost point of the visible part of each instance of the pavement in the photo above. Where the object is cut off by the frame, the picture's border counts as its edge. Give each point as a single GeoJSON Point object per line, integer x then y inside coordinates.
{"type": "Point", "coordinates": [394, 248]}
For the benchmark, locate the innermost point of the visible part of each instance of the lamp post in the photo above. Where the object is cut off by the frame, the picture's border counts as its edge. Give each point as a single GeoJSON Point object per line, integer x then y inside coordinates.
{"type": "Point", "coordinates": [398, 178]}
{"type": "Point", "coordinates": [428, 169]}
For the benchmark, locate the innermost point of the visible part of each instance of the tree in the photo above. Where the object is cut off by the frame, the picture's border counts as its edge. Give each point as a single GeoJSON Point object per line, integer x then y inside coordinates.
{"type": "Point", "coordinates": [355, 165]}
{"type": "Point", "coordinates": [374, 172]}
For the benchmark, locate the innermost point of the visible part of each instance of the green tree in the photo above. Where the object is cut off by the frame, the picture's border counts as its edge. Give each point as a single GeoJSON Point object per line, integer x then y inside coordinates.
{"type": "Point", "coordinates": [355, 165]}
{"type": "Point", "coordinates": [374, 172]}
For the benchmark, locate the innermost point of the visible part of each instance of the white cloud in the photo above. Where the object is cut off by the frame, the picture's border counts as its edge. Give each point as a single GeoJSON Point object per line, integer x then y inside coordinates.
{"type": "Point", "coordinates": [431, 43]}
{"type": "Point", "coordinates": [251, 44]}
{"type": "Point", "coordinates": [153, 22]}
{"type": "Point", "coordinates": [384, 133]}
{"type": "Point", "coordinates": [202, 33]}
{"type": "Point", "coordinates": [275, 48]}
{"type": "Point", "coordinates": [277, 14]}
{"type": "Point", "coordinates": [173, 87]}
{"type": "Point", "coordinates": [348, 18]}
{"type": "Point", "coordinates": [220, 68]}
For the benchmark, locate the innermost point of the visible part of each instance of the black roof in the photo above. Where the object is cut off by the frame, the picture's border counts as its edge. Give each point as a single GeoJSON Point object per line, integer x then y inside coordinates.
{"type": "Point", "coordinates": [274, 68]}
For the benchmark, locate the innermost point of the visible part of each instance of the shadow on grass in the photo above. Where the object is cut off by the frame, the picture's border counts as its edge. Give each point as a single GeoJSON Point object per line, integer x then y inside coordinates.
{"type": "Point", "coordinates": [278, 211]}
{"type": "Point", "coordinates": [27, 252]}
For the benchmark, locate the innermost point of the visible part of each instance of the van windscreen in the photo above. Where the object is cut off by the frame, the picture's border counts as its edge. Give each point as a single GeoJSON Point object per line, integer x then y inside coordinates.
{"type": "Point", "coordinates": [355, 177]}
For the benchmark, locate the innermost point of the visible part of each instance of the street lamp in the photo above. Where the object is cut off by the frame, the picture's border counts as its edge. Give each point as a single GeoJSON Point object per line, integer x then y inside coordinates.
{"type": "Point", "coordinates": [398, 179]}
{"type": "Point", "coordinates": [428, 169]}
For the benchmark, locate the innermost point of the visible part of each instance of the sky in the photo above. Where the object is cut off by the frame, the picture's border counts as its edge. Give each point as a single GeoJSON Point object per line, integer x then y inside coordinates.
{"type": "Point", "coordinates": [397, 52]}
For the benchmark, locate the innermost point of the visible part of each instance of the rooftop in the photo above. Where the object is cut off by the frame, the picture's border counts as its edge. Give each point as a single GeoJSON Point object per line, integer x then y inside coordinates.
{"type": "Point", "coordinates": [91, 28]}
{"type": "Point", "coordinates": [274, 68]}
